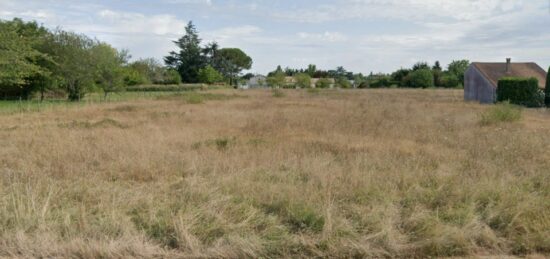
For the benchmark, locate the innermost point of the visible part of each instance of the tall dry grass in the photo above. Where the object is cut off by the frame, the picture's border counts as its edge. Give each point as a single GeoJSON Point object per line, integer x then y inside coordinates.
{"type": "Point", "coordinates": [376, 173]}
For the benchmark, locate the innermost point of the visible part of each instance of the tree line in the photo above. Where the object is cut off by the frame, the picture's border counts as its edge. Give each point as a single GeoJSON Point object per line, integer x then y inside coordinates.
{"type": "Point", "coordinates": [35, 60]}
{"type": "Point", "coordinates": [420, 75]}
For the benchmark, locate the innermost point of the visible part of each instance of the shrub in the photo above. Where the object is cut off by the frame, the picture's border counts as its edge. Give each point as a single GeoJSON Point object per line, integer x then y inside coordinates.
{"type": "Point", "coordinates": [171, 77]}
{"type": "Point", "coordinates": [503, 112]}
{"type": "Point", "coordinates": [323, 83]}
{"type": "Point", "coordinates": [303, 80]}
{"type": "Point", "coordinates": [344, 83]}
{"type": "Point", "coordinates": [449, 80]}
{"type": "Point", "coordinates": [520, 91]}
{"type": "Point", "coordinates": [547, 89]}
{"type": "Point", "coordinates": [422, 78]}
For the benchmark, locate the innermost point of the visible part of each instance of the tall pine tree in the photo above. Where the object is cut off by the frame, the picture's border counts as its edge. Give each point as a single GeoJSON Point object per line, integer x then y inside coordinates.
{"type": "Point", "coordinates": [190, 59]}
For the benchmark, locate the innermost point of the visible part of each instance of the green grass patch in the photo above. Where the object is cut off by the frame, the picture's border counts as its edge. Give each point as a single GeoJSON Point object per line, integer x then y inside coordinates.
{"type": "Point", "coordinates": [502, 112]}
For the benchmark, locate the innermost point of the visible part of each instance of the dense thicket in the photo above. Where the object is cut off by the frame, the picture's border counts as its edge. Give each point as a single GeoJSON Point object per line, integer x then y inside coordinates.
{"type": "Point", "coordinates": [547, 89]}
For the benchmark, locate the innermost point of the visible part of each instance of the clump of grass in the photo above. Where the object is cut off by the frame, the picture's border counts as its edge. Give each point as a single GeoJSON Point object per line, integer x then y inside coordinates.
{"type": "Point", "coordinates": [502, 112]}
{"type": "Point", "coordinates": [277, 93]}
{"type": "Point", "coordinates": [198, 98]}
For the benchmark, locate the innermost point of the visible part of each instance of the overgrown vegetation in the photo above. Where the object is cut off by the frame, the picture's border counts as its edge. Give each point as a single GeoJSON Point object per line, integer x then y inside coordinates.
{"type": "Point", "coordinates": [502, 112]}
{"type": "Point", "coordinates": [520, 91]}
{"type": "Point", "coordinates": [264, 177]}
{"type": "Point", "coordinates": [547, 89]}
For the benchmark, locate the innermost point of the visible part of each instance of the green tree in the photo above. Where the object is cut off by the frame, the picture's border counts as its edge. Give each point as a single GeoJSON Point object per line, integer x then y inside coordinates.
{"type": "Point", "coordinates": [343, 83]}
{"type": "Point", "coordinates": [75, 64]}
{"type": "Point", "coordinates": [209, 75]}
{"type": "Point", "coordinates": [458, 68]}
{"type": "Point", "coordinates": [323, 83]}
{"type": "Point", "coordinates": [422, 78]}
{"type": "Point", "coordinates": [311, 69]}
{"type": "Point", "coordinates": [547, 89]}
{"type": "Point", "coordinates": [420, 65]}
{"type": "Point", "coordinates": [232, 62]}
{"type": "Point", "coordinates": [303, 80]}
{"type": "Point", "coordinates": [19, 59]}
{"type": "Point", "coordinates": [171, 77]}
{"type": "Point", "coordinates": [190, 57]}
{"type": "Point", "coordinates": [277, 80]}
{"type": "Point", "coordinates": [109, 68]}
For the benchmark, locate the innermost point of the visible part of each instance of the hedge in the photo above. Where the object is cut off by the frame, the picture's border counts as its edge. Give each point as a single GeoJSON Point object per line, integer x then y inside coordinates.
{"type": "Point", "coordinates": [520, 91]}
{"type": "Point", "coordinates": [165, 88]}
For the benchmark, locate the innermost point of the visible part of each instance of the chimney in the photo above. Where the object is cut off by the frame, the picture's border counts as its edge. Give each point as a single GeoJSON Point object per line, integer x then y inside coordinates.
{"type": "Point", "coordinates": [508, 65]}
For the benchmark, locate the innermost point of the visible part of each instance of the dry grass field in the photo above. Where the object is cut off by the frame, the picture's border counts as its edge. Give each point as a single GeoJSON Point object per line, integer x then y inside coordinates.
{"type": "Point", "coordinates": [228, 173]}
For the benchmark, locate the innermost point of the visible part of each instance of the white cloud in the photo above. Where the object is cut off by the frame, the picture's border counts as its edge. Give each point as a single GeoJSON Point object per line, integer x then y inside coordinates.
{"type": "Point", "coordinates": [323, 37]}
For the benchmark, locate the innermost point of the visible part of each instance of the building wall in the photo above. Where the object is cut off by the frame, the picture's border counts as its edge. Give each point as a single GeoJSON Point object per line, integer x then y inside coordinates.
{"type": "Point", "coordinates": [477, 88]}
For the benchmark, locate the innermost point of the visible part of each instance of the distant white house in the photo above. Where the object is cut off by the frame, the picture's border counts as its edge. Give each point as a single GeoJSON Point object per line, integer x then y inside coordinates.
{"type": "Point", "coordinates": [257, 81]}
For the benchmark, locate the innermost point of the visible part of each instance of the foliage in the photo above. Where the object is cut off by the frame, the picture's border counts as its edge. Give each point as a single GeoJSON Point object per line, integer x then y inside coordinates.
{"type": "Point", "coordinates": [343, 82]}
{"type": "Point", "coordinates": [277, 80]}
{"type": "Point", "coordinates": [502, 112]}
{"type": "Point", "coordinates": [171, 77]}
{"type": "Point", "coordinates": [109, 68]}
{"type": "Point", "coordinates": [547, 89]}
{"type": "Point", "coordinates": [449, 80]}
{"type": "Point", "coordinates": [458, 68]}
{"type": "Point", "coordinates": [303, 80]}
{"type": "Point", "coordinates": [420, 65]}
{"type": "Point", "coordinates": [209, 75]}
{"type": "Point", "coordinates": [232, 61]}
{"type": "Point", "coordinates": [422, 78]}
{"type": "Point", "coordinates": [323, 83]}
{"type": "Point", "coordinates": [189, 59]}
{"type": "Point", "coordinates": [21, 63]}
{"type": "Point", "coordinates": [520, 91]}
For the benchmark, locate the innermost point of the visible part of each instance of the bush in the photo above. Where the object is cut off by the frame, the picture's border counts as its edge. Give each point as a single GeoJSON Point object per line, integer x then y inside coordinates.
{"type": "Point", "coordinates": [520, 91]}
{"type": "Point", "coordinates": [303, 80]}
{"type": "Point", "coordinates": [449, 80]}
{"type": "Point", "coordinates": [547, 89]}
{"type": "Point", "coordinates": [323, 83]}
{"type": "Point", "coordinates": [171, 77]}
{"type": "Point", "coordinates": [503, 112]}
{"type": "Point", "coordinates": [422, 78]}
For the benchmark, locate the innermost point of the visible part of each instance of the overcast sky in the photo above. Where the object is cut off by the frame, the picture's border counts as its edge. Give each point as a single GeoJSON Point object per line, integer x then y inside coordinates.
{"type": "Point", "coordinates": [361, 35]}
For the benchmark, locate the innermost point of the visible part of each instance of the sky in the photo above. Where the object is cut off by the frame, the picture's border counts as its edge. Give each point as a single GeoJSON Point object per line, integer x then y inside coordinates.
{"type": "Point", "coordinates": [360, 35]}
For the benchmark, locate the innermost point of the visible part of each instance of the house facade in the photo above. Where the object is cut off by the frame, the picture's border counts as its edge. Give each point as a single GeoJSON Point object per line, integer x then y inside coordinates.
{"type": "Point", "coordinates": [481, 79]}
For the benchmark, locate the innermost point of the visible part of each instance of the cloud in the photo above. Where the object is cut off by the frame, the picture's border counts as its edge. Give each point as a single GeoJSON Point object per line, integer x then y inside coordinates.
{"type": "Point", "coordinates": [323, 37]}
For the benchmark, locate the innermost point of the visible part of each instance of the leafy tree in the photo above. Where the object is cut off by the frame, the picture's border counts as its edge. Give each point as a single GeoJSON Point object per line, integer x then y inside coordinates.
{"type": "Point", "coordinates": [323, 83]}
{"type": "Point", "coordinates": [75, 64]}
{"type": "Point", "coordinates": [449, 80]}
{"type": "Point", "coordinates": [233, 61]}
{"type": "Point", "coordinates": [209, 75]}
{"type": "Point", "coordinates": [277, 80]}
{"type": "Point", "coordinates": [547, 89]}
{"type": "Point", "coordinates": [400, 75]}
{"type": "Point", "coordinates": [19, 59]}
{"type": "Point", "coordinates": [303, 80]}
{"type": "Point", "coordinates": [190, 57]}
{"type": "Point", "coordinates": [458, 68]}
{"type": "Point", "coordinates": [343, 82]}
{"type": "Point", "coordinates": [420, 65]}
{"type": "Point", "coordinates": [421, 78]}
{"type": "Point", "coordinates": [437, 66]}
{"type": "Point", "coordinates": [311, 69]}
{"type": "Point", "coordinates": [171, 77]}
{"type": "Point", "coordinates": [109, 68]}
